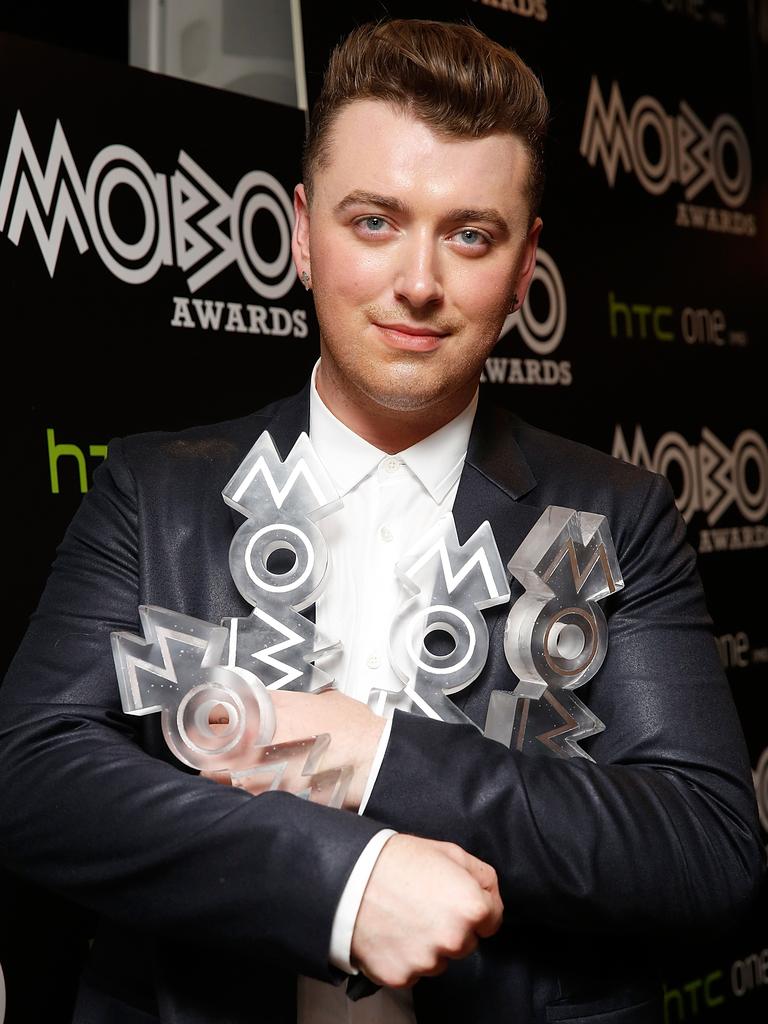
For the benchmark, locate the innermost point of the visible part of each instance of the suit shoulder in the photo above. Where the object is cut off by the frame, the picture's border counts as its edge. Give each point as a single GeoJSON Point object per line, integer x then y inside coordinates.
{"type": "Point", "coordinates": [576, 461]}
{"type": "Point", "coordinates": [574, 475]}
{"type": "Point", "coordinates": [200, 444]}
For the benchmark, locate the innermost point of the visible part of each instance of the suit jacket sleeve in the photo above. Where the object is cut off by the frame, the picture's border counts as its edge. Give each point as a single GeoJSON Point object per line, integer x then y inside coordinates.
{"type": "Point", "coordinates": [85, 810]}
{"type": "Point", "coordinates": [662, 830]}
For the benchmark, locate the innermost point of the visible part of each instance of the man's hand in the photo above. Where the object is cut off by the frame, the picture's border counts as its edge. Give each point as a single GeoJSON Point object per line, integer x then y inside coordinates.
{"type": "Point", "coordinates": [426, 903]}
{"type": "Point", "coordinates": [354, 729]}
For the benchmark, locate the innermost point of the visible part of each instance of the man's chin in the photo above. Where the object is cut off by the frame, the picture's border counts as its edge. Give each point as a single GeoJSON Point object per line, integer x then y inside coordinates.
{"type": "Point", "coordinates": [407, 398]}
{"type": "Point", "coordinates": [403, 402]}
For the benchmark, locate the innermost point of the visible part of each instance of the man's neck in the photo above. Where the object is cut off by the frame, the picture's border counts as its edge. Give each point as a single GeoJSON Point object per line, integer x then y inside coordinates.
{"type": "Point", "coordinates": [389, 430]}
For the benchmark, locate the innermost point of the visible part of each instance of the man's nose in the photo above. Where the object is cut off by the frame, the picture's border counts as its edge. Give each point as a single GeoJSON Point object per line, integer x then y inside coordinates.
{"type": "Point", "coordinates": [418, 279]}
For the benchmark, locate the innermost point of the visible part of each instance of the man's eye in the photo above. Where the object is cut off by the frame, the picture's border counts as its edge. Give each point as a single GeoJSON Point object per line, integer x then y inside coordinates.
{"type": "Point", "coordinates": [472, 238]}
{"type": "Point", "coordinates": [373, 224]}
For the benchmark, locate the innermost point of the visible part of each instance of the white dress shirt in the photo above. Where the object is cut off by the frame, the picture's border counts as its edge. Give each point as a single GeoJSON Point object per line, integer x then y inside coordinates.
{"type": "Point", "coordinates": [390, 501]}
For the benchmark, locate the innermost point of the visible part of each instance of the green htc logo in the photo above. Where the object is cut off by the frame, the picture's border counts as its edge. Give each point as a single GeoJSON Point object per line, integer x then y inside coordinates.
{"type": "Point", "coordinates": [686, 1002]}
{"type": "Point", "coordinates": [697, 326]}
{"type": "Point", "coordinates": [636, 319]}
{"type": "Point", "coordinates": [58, 450]}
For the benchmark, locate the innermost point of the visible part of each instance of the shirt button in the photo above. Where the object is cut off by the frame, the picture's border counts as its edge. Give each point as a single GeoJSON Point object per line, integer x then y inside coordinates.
{"type": "Point", "coordinates": [392, 465]}
{"type": "Point", "coordinates": [374, 661]}
{"type": "Point", "coordinates": [386, 534]}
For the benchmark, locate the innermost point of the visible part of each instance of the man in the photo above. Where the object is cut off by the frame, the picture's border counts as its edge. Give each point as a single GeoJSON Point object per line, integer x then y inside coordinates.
{"type": "Point", "coordinates": [416, 229]}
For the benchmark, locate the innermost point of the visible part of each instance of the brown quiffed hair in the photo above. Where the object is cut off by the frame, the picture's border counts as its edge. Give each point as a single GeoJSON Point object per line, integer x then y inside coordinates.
{"type": "Point", "coordinates": [452, 77]}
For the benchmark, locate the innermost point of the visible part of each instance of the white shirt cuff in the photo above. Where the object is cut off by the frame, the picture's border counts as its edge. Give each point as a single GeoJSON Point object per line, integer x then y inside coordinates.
{"type": "Point", "coordinates": [376, 765]}
{"type": "Point", "coordinates": [349, 904]}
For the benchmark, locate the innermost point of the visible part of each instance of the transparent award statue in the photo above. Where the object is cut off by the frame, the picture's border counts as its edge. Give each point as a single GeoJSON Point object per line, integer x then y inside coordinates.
{"type": "Point", "coordinates": [438, 642]}
{"type": "Point", "coordinates": [556, 634]}
{"type": "Point", "coordinates": [279, 562]}
{"type": "Point", "coordinates": [211, 683]}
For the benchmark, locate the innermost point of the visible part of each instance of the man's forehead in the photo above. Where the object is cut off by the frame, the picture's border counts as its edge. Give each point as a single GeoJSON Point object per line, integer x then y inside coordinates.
{"type": "Point", "coordinates": [376, 146]}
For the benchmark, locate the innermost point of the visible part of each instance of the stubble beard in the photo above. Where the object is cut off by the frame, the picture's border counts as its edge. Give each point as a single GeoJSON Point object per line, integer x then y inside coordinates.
{"type": "Point", "coordinates": [406, 384]}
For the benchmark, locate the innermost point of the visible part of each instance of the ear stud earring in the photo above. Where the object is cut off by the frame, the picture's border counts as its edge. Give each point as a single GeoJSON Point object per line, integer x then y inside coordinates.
{"type": "Point", "coordinates": [305, 279]}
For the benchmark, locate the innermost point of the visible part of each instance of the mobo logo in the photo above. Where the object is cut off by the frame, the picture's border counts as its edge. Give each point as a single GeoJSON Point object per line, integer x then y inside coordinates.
{"type": "Point", "coordinates": [660, 148]}
{"type": "Point", "coordinates": [186, 221]}
{"type": "Point", "coordinates": [713, 476]}
{"type": "Point", "coordinates": [541, 335]}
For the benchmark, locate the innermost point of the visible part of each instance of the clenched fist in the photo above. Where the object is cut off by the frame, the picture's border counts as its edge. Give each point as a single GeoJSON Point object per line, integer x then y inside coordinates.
{"type": "Point", "coordinates": [426, 903]}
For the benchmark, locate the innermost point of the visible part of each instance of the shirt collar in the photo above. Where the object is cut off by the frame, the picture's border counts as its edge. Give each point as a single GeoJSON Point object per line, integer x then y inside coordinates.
{"type": "Point", "coordinates": [436, 461]}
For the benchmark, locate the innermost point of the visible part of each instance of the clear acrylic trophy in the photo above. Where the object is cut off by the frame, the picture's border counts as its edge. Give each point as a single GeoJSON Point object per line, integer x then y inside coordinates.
{"type": "Point", "coordinates": [210, 683]}
{"type": "Point", "coordinates": [556, 634]}
{"type": "Point", "coordinates": [177, 669]}
{"type": "Point", "coordinates": [215, 709]}
{"type": "Point", "coordinates": [279, 561]}
{"type": "Point", "coordinates": [438, 641]}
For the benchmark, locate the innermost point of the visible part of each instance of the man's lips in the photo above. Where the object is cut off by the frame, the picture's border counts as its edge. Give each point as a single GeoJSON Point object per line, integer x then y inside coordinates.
{"type": "Point", "coordinates": [411, 336]}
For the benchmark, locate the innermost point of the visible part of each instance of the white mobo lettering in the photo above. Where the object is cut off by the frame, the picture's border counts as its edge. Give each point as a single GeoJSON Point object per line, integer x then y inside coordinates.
{"type": "Point", "coordinates": [660, 148]}
{"type": "Point", "coordinates": [186, 220]}
{"type": "Point", "coordinates": [713, 476]}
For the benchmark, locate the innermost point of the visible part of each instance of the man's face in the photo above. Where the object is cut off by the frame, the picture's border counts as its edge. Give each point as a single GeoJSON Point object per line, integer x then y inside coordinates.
{"type": "Point", "coordinates": [415, 244]}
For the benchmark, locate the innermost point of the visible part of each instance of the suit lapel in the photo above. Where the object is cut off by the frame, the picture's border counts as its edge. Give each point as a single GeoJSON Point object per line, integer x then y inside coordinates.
{"type": "Point", "coordinates": [496, 477]}
{"type": "Point", "coordinates": [290, 418]}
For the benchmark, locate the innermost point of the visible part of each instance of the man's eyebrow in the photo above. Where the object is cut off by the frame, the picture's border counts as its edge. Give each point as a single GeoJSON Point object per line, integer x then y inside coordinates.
{"type": "Point", "coordinates": [488, 216]}
{"type": "Point", "coordinates": [360, 196]}
{"type": "Point", "coordinates": [459, 215]}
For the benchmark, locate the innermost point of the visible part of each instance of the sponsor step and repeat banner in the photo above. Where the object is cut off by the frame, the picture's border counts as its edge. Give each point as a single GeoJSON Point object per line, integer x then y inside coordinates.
{"type": "Point", "coordinates": [144, 246]}
{"type": "Point", "coordinates": [147, 284]}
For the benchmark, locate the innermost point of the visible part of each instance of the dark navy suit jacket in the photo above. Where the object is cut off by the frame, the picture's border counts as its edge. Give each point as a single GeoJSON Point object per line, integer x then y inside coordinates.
{"type": "Point", "coordinates": [211, 901]}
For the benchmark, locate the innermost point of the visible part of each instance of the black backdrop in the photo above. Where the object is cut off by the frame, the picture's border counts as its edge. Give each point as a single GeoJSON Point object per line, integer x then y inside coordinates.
{"type": "Point", "coordinates": [158, 206]}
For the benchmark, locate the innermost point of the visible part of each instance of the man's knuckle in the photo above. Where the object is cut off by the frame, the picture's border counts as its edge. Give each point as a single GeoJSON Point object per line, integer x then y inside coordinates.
{"type": "Point", "coordinates": [455, 938]}
{"type": "Point", "coordinates": [475, 911]}
{"type": "Point", "coordinates": [403, 978]}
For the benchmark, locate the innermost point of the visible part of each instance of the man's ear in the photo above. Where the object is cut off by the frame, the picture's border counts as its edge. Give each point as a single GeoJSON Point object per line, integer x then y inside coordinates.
{"type": "Point", "coordinates": [528, 261]}
{"type": "Point", "coordinates": [300, 237]}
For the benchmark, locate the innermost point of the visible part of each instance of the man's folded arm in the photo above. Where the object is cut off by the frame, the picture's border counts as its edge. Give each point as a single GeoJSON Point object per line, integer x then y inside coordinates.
{"type": "Point", "coordinates": [662, 830]}
{"type": "Point", "coordinates": [86, 811]}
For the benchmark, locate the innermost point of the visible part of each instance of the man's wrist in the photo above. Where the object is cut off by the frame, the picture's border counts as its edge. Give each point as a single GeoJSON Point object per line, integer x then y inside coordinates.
{"type": "Point", "coordinates": [378, 757]}
{"type": "Point", "coordinates": [344, 919]}
{"type": "Point", "coordinates": [359, 786]}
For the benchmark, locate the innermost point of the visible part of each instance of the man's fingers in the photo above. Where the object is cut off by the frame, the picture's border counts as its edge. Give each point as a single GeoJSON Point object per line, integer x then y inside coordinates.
{"type": "Point", "coordinates": [426, 903]}
{"type": "Point", "coordinates": [491, 922]}
{"type": "Point", "coordinates": [485, 876]}
{"type": "Point", "coordinates": [469, 945]}
{"type": "Point", "coordinates": [483, 873]}
{"type": "Point", "coordinates": [439, 968]}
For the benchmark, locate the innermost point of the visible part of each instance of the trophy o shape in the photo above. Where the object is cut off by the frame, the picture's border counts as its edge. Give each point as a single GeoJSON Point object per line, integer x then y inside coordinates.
{"type": "Point", "coordinates": [446, 586]}
{"type": "Point", "coordinates": [280, 500]}
{"type": "Point", "coordinates": [556, 634]}
{"type": "Point", "coordinates": [177, 668]}
{"type": "Point", "coordinates": [250, 721]}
